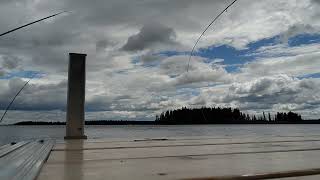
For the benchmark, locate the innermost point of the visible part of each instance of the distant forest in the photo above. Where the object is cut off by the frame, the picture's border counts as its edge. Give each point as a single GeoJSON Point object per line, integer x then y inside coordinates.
{"type": "Point", "coordinates": [92, 122]}
{"type": "Point", "coordinates": [203, 115]}
{"type": "Point", "coordinates": [226, 116]}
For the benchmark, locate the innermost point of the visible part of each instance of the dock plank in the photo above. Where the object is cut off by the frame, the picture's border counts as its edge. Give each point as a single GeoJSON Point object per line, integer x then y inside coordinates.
{"type": "Point", "coordinates": [25, 160]}
{"type": "Point", "coordinates": [182, 159]}
{"type": "Point", "coordinates": [137, 143]}
{"type": "Point", "coordinates": [8, 148]}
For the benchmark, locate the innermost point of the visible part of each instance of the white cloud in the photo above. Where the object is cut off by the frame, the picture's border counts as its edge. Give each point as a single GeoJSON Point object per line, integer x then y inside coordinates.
{"type": "Point", "coordinates": [118, 87]}
{"type": "Point", "coordinates": [281, 59]}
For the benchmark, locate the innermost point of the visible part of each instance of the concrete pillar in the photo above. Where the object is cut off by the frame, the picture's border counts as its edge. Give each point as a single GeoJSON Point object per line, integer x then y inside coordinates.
{"type": "Point", "coordinates": [76, 96]}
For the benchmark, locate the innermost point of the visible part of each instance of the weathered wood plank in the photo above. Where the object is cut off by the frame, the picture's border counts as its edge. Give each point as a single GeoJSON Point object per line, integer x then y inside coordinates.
{"type": "Point", "coordinates": [182, 167]}
{"type": "Point", "coordinates": [186, 150]}
{"type": "Point", "coordinates": [184, 158]}
{"type": "Point", "coordinates": [137, 143]}
{"type": "Point", "coordinates": [26, 161]}
{"type": "Point", "coordinates": [6, 149]}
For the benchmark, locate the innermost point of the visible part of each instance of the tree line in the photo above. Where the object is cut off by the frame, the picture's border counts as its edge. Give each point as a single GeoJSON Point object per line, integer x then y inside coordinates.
{"type": "Point", "coordinates": [217, 115]}
{"type": "Point", "coordinates": [90, 122]}
{"type": "Point", "coordinates": [204, 115]}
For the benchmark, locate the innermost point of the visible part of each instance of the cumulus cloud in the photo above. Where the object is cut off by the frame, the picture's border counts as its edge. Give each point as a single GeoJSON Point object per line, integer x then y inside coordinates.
{"type": "Point", "coordinates": [103, 44]}
{"type": "Point", "coordinates": [275, 90]}
{"type": "Point", "coordinates": [10, 62]}
{"type": "Point", "coordinates": [132, 69]}
{"type": "Point", "coordinates": [36, 96]}
{"type": "Point", "coordinates": [296, 30]}
{"type": "Point", "coordinates": [316, 1]}
{"type": "Point", "coordinates": [151, 57]}
{"type": "Point", "coordinates": [150, 35]}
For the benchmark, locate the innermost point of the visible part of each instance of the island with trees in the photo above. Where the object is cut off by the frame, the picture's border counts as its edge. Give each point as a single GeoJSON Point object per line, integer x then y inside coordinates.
{"type": "Point", "coordinates": [219, 115]}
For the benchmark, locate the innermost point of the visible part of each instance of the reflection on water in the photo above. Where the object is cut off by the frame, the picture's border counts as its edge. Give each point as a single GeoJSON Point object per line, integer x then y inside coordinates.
{"type": "Point", "coordinates": [73, 167]}
{"type": "Point", "coordinates": [19, 133]}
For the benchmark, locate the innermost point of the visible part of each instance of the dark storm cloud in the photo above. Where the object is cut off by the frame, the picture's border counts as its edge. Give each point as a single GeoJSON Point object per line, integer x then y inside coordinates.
{"type": "Point", "coordinates": [10, 61]}
{"type": "Point", "coordinates": [103, 44]}
{"type": "Point", "coordinates": [47, 35]}
{"type": "Point", "coordinates": [113, 12]}
{"type": "Point", "coordinates": [47, 97]}
{"type": "Point", "coordinates": [150, 58]}
{"type": "Point", "coordinates": [316, 1]}
{"type": "Point", "coordinates": [149, 35]}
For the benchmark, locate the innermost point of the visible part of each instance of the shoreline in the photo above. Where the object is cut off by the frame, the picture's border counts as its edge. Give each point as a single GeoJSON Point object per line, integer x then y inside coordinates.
{"type": "Point", "coordinates": [119, 123]}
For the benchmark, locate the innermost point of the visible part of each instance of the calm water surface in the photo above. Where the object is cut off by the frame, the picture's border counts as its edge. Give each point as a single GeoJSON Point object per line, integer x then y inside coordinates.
{"type": "Point", "coordinates": [19, 133]}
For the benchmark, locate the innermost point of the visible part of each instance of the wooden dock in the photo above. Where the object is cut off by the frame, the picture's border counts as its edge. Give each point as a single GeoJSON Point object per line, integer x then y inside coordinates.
{"type": "Point", "coordinates": [185, 158]}
{"type": "Point", "coordinates": [23, 160]}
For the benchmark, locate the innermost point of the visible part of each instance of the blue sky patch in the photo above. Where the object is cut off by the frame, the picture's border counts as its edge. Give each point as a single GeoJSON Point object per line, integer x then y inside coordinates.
{"type": "Point", "coordinates": [302, 39]}
{"type": "Point", "coordinates": [232, 68]}
{"type": "Point", "coordinates": [172, 53]}
{"type": "Point", "coordinates": [23, 74]}
{"type": "Point", "coordinates": [135, 60]}
{"type": "Point", "coordinates": [235, 58]}
{"type": "Point", "coordinates": [313, 75]}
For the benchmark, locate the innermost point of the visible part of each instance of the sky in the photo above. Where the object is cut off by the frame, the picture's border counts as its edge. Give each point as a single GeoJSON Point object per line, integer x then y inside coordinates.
{"type": "Point", "coordinates": [259, 56]}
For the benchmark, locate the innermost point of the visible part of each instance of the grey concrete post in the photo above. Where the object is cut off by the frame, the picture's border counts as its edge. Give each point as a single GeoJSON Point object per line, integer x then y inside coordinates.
{"type": "Point", "coordinates": [76, 96]}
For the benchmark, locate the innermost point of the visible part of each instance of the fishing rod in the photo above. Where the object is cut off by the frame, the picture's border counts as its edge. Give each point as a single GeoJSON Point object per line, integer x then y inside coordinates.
{"type": "Point", "coordinates": [217, 17]}
{"type": "Point", "coordinates": [15, 29]}
{"type": "Point", "coordinates": [11, 102]}
{"type": "Point", "coordinates": [25, 25]}
{"type": "Point", "coordinates": [194, 46]}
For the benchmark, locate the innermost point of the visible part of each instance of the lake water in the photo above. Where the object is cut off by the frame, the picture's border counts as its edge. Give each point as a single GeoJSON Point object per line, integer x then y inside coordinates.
{"type": "Point", "coordinates": [19, 133]}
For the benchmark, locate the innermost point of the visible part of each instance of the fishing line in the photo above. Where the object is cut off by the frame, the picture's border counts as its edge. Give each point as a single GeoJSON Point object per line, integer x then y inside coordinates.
{"type": "Point", "coordinates": [11, 102]}
{"type": "Point", "coordinates": [23, 26]}
{"type": "Point", "coordinates": [194, 46]}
